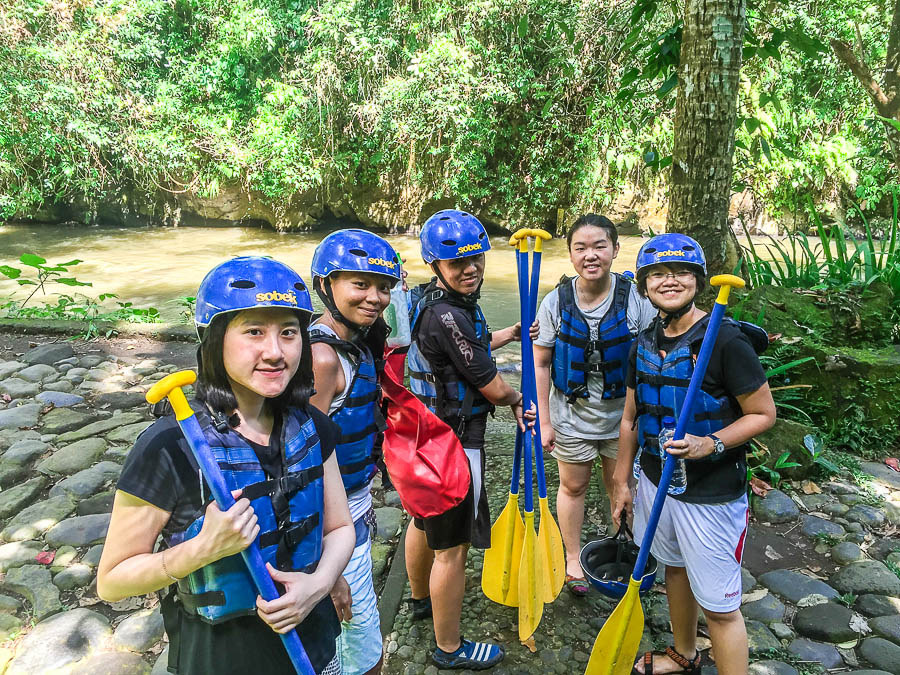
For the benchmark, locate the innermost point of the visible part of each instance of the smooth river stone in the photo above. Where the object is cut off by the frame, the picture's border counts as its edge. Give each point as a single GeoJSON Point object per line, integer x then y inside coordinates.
{"type": "Point", "coordinates": [74, 457]}
{"type": "Point", "coordinates": [866, 576]}
{"type": "Point", "coordinates": [140, 631]}
{"type": "Point", "coordinates": [26, 451]}
{"type": "Point", "coordinates": [16, 387]}
{"type": "Point", "coordinates": [59, 399]}
{"type": "Point", "coordinates": [20, 417]}
{"type": "Point", "coordinates": [60, 641]}
{"type": "Point", "coordinates": [101, 427]}
{"type": "Point", "coordinates": [37, 518]}
{"type": "Point", "coordinates": [18, 553]}
{"type": "Point", "coordinates": [87, 481]}
{"type": "Point", "coordinates": [112, 663]}
{"type": "Point", "coordinates": [61, 420]}
{"type": "Point", "coordinates": [36, 373]}
{"type": "Point", "coordinates": [33, 582]}
{"type": "Point", "coordinates": [127, 434]}
{"type": "Point", "coordinates": [7, 368]}
{"type": "Point", "coordinates": [79, 531]}
{"type": "Point", "coordinates": [16, 498]}
{"type": "Point", "coordinates": [49, 353]}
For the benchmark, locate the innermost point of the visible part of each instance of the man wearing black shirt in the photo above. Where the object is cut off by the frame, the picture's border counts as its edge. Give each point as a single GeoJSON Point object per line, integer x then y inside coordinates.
{"type": "Point", "coordinates": [452, 371]}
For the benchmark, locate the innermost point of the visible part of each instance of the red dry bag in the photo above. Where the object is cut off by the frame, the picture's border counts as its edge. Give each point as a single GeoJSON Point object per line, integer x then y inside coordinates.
{"type": "Point", "coordinates": [424, 458]}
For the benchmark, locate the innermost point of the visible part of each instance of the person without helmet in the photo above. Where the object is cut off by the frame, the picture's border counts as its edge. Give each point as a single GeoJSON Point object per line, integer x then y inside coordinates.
{"type": "Point", "coordinates": [701, 532]}
{"type": "Point", "coordinates": [277, 455]}
{"type": "Point", "coordinates": [353, 272]}
{"type": "Point", "coordinates": [452, 372]}
{"type": "Point", "coordinates": [588, 324]}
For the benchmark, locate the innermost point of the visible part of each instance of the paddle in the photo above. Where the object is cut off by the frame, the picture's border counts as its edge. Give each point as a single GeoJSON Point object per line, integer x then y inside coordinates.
{"type": "Point", "coordinates": [531, 573]}
{"type": "Point", "coordinates": [549, 538]}
{"type": "Point", "coordinates": [617, 643]}
{"type": "Point", "coordinates": [500, 574]}
{"type": "Point", "coordinates": [170, 386]}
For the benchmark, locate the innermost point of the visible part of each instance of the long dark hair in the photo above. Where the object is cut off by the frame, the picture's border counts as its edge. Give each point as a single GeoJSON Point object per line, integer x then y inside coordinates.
{"type": "Point", "coordinates": [213, 387]}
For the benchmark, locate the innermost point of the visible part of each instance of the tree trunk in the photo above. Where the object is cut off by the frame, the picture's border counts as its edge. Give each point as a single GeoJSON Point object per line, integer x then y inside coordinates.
{"type": "Point", "coordinates": [705, 111]}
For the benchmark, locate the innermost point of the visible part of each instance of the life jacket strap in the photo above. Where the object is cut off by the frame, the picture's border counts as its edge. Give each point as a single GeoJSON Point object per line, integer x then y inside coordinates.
{"type": "Point", "coordinates": [287, 537]}
{"type": "Point", "coordinates": [426, 377]}
{"type": "Point", "coordinates": [287, 485]}
{"type": "Point", "coordinates": [357, 466]}
{"type": "Point", "coordinates": [193, 601]}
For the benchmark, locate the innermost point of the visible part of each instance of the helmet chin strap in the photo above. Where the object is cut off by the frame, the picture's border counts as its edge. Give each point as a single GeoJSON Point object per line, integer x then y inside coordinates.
{"type": "Point", "coordinates": [470, 297]}
{"type": "Point", "coordinates": [677, 314]}
{"type": "Point", "coordinates": [326, 295]}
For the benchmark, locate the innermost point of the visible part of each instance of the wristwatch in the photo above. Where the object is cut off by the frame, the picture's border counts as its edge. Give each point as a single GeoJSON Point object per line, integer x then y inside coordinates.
{"type": "Point", "coordinates": [718, 445]}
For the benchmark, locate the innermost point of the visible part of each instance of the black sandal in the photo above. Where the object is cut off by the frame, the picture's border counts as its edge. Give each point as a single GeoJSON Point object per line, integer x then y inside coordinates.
{"type": "Point", "coordinates": [687, 665]}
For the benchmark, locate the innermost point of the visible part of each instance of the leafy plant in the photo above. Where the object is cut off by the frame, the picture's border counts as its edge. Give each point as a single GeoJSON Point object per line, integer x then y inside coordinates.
{"type": "Point", "coordinates": [847, 599]}
{"type": "Point", "coordinates": [45, 274]}
{"type": "Point", "coordinates": [817, 450]}
{"type": "Point", "coordinates": [187, 304]}
{"type": "Point", "coordinates": [827, 538]}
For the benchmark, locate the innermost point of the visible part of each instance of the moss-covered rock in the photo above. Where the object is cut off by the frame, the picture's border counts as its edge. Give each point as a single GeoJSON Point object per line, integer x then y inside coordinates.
{"type": "Point", "coordinates": [853, 384]}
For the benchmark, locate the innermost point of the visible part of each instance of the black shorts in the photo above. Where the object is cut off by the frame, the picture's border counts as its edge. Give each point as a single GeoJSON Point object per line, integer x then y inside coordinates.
{"type": "Point", "coordinates": [461, 524]}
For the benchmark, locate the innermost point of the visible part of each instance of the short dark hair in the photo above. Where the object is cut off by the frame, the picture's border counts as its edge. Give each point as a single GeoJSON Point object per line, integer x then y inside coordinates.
{"type": "Point", "coordinates": [213, 386]}
{"type": "Point", "coordinates": [700, 278]}
{"type": "Point", "coordinates": [593, 220]}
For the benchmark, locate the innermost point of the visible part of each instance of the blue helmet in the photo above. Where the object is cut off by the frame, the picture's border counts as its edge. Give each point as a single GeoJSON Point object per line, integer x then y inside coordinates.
{"type": "Point", "coordinates": [355, 251]}
{"type": "Point", "coordinates": [452, 234]}
{"type": "Point", "coordinates": [609, 562]}
{"type": "Point", "coordinates": [247, 282]}
{"type": "Point", "coordinates": [670, 248]}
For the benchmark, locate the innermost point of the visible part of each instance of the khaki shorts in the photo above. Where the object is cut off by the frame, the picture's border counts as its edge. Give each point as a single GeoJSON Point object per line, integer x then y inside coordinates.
{"type": "Point", "coordinates": [574, 450]}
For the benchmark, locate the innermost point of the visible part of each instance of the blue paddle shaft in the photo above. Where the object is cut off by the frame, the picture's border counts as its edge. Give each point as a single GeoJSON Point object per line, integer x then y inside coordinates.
{"type": "Point", "coordinates": [527, 370]}
{"type": "Point", "coordinates": [252, 557]}
{"type": "Point", "coordinates": [532, 381]}
{"type": "Point", "coordinates": [709, 341]}
{"type": "Point", "coordinates": [517, 464]}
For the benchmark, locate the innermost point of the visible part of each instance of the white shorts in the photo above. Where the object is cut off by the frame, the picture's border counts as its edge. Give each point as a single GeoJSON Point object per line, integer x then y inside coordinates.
{"type": "Point", "coordinates": [359, 644]}
{"type": "Point", "coordinates": [706, 539]}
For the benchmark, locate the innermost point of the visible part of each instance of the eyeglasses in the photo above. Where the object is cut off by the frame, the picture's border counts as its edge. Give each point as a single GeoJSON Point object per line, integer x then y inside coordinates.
{"type": "Point", "coordinates": [681, 276]}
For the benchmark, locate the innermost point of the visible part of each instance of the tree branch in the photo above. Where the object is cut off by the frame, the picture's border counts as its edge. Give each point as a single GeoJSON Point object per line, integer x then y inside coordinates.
{"type": "Point", "coordinates": [861, 71]}
{"type": "Point", "coordinates": [891, 77]}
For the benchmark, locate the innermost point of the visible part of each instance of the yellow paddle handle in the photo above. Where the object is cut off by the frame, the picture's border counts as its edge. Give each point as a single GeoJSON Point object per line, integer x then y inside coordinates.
{"type": "Point", "coordinates": [170, 386]}
{"type": "Point", "coordinates": [520, 238]}
{"type": "Point", "coordinates": [726, 282]}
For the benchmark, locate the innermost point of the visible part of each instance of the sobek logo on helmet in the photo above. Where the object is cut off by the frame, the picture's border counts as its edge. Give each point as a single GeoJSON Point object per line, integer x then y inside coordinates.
{"type": "Point", "coordinates": [670, 254]}
{"type": "Point", "coordinates": [275, 296]}
{"type": "Point", "coordinates": [467, 248]}
{"type": "Point", "coordinates": [382, 263]}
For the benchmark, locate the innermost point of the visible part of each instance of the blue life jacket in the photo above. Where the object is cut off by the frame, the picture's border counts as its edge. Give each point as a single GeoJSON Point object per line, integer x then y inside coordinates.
{"type": "Point", "coordinates": [359, 416]}
{"type": "Point", "coordinates": [571, 365]}
{"type": "Point", "coordinates": [662, 385]}
{"type": "Point", "coordinates": [289, 509]}
{"type": "Point", "coordinates": [446, 394]}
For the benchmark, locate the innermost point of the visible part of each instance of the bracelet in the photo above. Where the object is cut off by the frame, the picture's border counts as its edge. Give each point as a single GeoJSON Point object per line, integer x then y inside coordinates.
{"type": "Point", "coordinates": [164, 566]}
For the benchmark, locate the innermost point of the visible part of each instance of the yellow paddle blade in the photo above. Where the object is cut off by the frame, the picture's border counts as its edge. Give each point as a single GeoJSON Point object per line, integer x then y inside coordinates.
{"type": "Point", "coordinates": [500, 572]}
{"type": "Point", "coordinates": [551, 549]}
{"type": "Point", "coordinates": [616, 646]}
{"type": "Point", "coordinates": [531, 600]}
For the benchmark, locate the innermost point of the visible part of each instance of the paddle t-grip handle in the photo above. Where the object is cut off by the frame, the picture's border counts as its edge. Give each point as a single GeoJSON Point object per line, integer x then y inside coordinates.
{"type": "Point", "coordinates": [170, 387]}
{"type": "Point", "coordinates": [725, 282]}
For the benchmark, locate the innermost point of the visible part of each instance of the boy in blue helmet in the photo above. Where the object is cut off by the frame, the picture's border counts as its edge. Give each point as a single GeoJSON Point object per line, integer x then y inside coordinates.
{"type": "Point", "coordinates": [701, 532]}
{"type": "Point", "coordinates": [353, 272]}
{"type": "Point", "coordinates": [588, 324]}
{"type": "Point", "coordinates": [452, 372]}
{"type": "Point", "coordinates": [277, 455]}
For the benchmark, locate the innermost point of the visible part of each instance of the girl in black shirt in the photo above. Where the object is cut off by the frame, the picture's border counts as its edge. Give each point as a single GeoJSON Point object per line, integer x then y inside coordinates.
{"type": "Point", "coordinates": [253, 389]}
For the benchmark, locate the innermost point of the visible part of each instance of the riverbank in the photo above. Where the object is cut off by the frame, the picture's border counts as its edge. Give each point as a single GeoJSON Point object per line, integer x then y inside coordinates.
{"type": "Point", "coordinates": [819, 583]}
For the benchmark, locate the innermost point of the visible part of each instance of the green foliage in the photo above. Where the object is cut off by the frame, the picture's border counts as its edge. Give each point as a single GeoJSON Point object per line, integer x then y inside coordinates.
{"type": "Point", "coordinates": [75, 307]}
{"type": "Point", "coordinates": [187, 304]}
{"type": "Point", "coordinates": [516, 107]}
{"type": "Point", "coordinates": [830, 262]}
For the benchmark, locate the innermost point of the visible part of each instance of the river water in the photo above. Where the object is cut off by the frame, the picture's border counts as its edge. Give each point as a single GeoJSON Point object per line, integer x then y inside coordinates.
{"type": "Point", "coordinates": [155, 266]}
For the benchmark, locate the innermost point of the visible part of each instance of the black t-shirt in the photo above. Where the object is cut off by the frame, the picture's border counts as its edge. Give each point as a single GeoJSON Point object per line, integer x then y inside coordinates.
{"type": "Point", "coordinates": [158, 471]}
{"type": "Point", "coordinates": [734, 369]}
{"type": "Point", "coordinates": [446, 336]}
